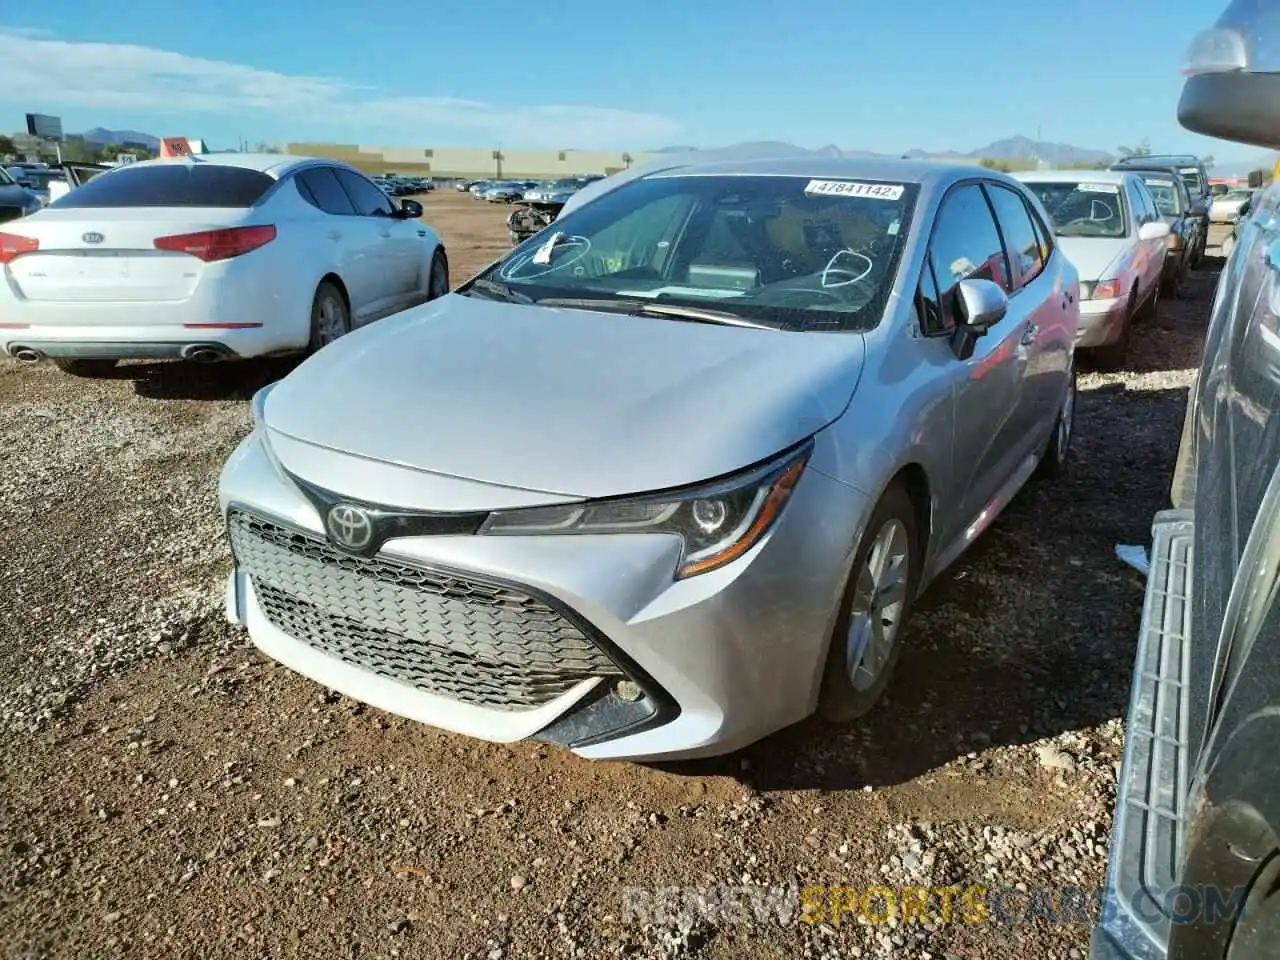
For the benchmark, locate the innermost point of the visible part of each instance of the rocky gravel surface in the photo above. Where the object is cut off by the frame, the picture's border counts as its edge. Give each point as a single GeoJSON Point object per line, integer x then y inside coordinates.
{"type": "Point", "coordinates": [168, 792]}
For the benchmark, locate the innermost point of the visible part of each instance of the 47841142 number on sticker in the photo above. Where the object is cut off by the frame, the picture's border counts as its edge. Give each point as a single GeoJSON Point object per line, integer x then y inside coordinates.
{"type": "Point", "coordinates": [853, 188]}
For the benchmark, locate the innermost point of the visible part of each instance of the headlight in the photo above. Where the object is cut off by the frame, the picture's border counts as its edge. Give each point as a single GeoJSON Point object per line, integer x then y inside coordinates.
{"type": "Point", "coordinates": [259, 402]}
{"type": "Point", "coordinates": [716, 522]}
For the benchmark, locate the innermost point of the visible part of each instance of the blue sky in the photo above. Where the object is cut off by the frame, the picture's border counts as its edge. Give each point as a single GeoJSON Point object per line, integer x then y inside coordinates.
{"type": "Point", "coordinates": [884, 76]}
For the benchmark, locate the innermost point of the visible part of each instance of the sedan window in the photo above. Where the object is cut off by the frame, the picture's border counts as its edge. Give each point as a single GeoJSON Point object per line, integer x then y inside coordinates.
{"type": "Point", "coordinates": [1019, 232]}
{"type": "Point", "coordinates": [321, 188]}
{"type": "Point", "coordinates": [965, 246]}
{"type": "Point", "coordinates": [368, 199]}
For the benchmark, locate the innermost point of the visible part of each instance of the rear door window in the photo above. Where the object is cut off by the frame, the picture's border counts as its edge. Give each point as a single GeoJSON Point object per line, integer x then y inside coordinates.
{"type": "Point", "coordinates": [1019, 232]}
{"type": "Point", "coordinates": [320, 187]}
{"type": "Point", "coordinates": [198, 184]}
{"type": "Point", "coordinates": [369, 200]}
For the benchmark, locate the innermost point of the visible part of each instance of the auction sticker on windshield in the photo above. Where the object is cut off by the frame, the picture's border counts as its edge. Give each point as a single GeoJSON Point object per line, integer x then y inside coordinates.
{"type": "Point", "coordinates": [1159, 183]}
{"type": "Point", "coordinates": [1098, 188]}
{"type": "Point", "coordinates": [852, 188]}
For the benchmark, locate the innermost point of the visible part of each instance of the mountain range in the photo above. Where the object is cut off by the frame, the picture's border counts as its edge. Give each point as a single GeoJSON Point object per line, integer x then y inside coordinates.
{"type": "Point", "coordinates": [1011, 148]}
{"type": "Point", "coordinates": [102, 137]}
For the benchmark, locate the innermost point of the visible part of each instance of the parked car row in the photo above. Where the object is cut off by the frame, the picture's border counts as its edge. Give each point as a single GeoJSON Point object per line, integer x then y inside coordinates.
{"type": "Point", "coordinates": [398, 185]}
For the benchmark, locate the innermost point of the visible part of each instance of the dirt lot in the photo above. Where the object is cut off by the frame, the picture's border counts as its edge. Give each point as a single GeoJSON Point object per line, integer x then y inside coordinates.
{"type": "Point", "coordinates": [167, 792]}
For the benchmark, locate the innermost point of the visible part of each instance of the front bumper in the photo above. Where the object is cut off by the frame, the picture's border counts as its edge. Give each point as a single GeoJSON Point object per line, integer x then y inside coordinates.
{"type": "Point", "coordinates": [723, 658]}
{"type": "Point", "coordinates": [1101, 321]}
{"type": "Point", "coordinates": [1147, 836]}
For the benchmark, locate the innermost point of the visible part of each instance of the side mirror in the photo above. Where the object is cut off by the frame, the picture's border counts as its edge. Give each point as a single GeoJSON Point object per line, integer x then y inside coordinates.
{"type": "Point", "coordinates": [982, 305]}
{"type": "Point", "coordinates": [410, 210]}
{"type": "Point", "coordinates": [26, 183]}
{"type": "Point", "coordinates": [1155, 230]}
{"type": "Point", "coordinates": [1199, 209]}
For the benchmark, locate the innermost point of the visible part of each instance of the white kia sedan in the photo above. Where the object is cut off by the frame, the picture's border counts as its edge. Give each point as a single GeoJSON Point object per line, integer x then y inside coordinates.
{"type": "Point", "coordinates": [208, 258]}
{"type": "Point", "coordinates": [1108, 225]}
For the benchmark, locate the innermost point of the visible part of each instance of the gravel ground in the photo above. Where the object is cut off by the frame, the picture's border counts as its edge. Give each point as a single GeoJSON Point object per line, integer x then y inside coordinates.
{"type": "Point", "coordinates": [169, 792]}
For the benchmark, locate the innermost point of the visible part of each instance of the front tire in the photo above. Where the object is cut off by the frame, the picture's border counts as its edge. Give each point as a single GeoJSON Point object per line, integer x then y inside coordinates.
{"type": "Point", "coordinates": [330, 316]}
{"type": "Point", "coordinates": [877, 600]}
{"type": "Point", "coordinates": [85, 368]}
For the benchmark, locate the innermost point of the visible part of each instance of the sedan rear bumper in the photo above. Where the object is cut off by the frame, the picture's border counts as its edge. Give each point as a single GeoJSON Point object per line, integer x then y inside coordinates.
{"type": "Point", "coordinates": [141, 342]}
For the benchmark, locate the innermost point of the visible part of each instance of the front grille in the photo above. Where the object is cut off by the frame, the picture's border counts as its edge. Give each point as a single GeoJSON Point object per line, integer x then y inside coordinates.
{"type": "Point", "coordinates": [442, 632]}
{"type": "Point", "coordinates": [8, 213]}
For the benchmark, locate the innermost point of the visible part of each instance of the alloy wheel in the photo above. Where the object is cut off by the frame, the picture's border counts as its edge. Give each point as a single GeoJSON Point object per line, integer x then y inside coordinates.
{"type": "Point", "coordinates": [879, 603]}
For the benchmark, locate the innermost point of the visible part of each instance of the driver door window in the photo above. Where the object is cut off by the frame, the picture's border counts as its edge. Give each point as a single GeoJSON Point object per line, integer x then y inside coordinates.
{"type": "Point", "coordinates": [965, 245]}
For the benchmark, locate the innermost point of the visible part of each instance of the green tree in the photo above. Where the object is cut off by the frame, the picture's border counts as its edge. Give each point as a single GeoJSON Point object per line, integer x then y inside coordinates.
{"type": "Point", "coordinates": [992, 164]}
{"type": "Point", "coordinates": [264, 147]}
{"type": "Point", "coordinates": [7, 146]}
{"type": "Point", "coordinates": [1143, 149]}
{"type": "Point", "coordinates": [1207, 161]}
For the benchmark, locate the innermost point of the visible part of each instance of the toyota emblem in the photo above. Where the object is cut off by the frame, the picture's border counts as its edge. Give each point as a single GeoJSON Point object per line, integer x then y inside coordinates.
{"type": "Point", "coordinates": [349, 527]}
{"type": "Point", "coordinates": [92, 237]}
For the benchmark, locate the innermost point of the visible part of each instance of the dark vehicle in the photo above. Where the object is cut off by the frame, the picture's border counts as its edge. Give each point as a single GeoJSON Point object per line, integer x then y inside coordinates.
{"type": "Point", "coordinates": [530, 216]}
{"type": "Point", "coordinates": [1191, 172]}
{"type": "Point", "coordinates": [1194, 870]}
{"type": "Point", "coordinates": [16, 200]}
{"type": "Point", "coordinates": [1185, 229]}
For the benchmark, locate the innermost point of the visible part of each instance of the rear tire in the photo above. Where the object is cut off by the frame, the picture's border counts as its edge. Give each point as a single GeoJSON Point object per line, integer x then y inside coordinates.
{"type": "Point", "coordinates": [330, 316]}
{"type": "Point", "coordinates": [872, 606]}
{"type": "Point", "coordinates": [1054, 462]}
{"type": "Point", "coordinates": [438, 278]}
{"type": "Point", "coordinates": [85, 368]}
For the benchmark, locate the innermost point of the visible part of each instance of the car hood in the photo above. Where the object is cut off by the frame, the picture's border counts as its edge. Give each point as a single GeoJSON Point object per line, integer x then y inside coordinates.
{"type": "Point", "coordinates": [571, 402]}
{"type": "Point", "coordinates": [1093, 255]}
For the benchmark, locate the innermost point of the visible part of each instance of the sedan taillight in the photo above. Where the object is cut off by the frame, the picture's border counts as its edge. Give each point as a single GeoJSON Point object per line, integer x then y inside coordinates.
{"type": "Point", "coordinates": [12, 245]}
{"type": "Point", "coordinates": [211, 245]}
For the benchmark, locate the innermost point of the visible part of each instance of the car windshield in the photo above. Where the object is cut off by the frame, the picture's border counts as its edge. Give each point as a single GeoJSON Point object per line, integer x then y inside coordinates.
{"type": "Point", "coordinates": [790, 252]}
{"type": "Point", "coordinates": [1165, 193]}
{"type": "Point", "coordinates": [1083, 209]}
{"type": "Point", "coordinates": [1191, 177]}
{"type": "Point", "coordinates": [565, 184]}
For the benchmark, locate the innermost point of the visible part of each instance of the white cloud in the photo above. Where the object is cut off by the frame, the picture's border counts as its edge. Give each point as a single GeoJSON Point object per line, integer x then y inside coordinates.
{"type": "Point", "coordinates": [106, 77]}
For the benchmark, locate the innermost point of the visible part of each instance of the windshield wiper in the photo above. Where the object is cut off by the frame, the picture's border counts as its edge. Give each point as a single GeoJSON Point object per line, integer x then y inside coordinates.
{"type": "Point", "coordinates": [498, 291]}
{"type": "Point", "coordinates": [648, 308]}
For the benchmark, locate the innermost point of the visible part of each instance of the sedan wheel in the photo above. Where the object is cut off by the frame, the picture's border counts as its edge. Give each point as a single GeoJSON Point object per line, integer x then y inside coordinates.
{"type": "Point", "coordinates": [438, 282]}
{"type": "Point", "coordinates": [330, 318]}
{"type": "Point", "coordinates": [1054, 460]}
{"type": "Point", "coordinates": [876, 604]}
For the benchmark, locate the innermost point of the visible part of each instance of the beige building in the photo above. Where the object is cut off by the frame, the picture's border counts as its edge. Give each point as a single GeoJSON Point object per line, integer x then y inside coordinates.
{"type": "Point", "coordinates": [463, 162]}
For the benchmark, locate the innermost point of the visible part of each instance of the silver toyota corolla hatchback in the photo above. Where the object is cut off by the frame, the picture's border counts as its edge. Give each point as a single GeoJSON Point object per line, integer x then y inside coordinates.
{"type": "Point", "coordinates": [669, 475]}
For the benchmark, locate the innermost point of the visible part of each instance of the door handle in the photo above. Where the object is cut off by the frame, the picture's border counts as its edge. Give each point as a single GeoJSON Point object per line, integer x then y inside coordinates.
{"type": "Point", "coordinates": [335, 235]}
{"type": "Point", "coordinates": [385, 234]}
{"type": "Point", "coordinates": [1029, 335]}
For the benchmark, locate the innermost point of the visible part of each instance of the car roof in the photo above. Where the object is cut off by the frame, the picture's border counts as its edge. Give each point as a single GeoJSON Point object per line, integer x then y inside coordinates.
{"type": "Point", "coordinates": [924, 172]}
{"type": "Point", "coordinates": [274, 164]}
{"type": "Point", "coordinates": [1074, 176]}
{"type": "Point", "coordinates": [1181, 159]}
